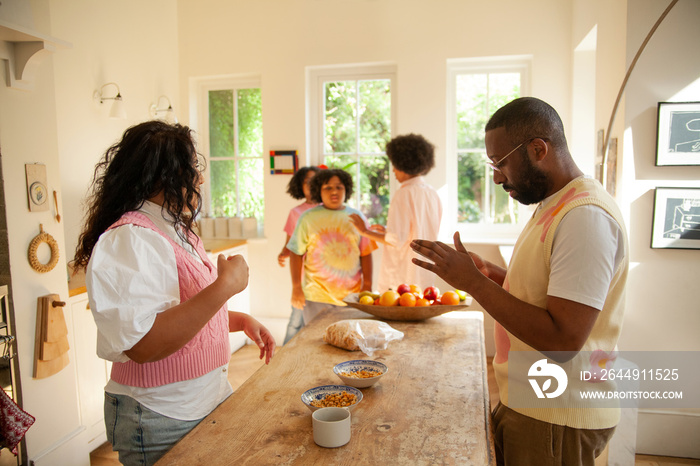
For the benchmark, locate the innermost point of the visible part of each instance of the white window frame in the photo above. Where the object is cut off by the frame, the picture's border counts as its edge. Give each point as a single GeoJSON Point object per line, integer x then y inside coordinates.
{"type": "Point", "coordinates": [199, 121]}
{"type": "Point", "coordinates": [486, 232]}
{"type": "Point", "coordinates": [316, 77]}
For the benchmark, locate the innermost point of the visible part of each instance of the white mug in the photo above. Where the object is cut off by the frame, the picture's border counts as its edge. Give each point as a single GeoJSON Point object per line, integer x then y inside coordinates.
{"type": "Point", "coordinates": [331, 427]}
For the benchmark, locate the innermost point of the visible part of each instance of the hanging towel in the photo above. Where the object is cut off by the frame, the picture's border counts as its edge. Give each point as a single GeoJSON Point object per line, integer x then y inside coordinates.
{"type": "Point", "coordinates": [14, 422]}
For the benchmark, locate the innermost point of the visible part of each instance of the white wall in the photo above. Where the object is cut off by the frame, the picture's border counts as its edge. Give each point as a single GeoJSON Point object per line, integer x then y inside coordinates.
{"type": "Point", "coordinates": [662, 308]}
{"type": "Point", "coordinates": [661, 280]}
{"type": "Point", "coordinates": [278, 40]}
{"type": "Point", "coordinates": [59, 125]}
{"type": "Point", "coordinates": [133, 44]}
{"type": "Point", "coordinates": [28, 134]}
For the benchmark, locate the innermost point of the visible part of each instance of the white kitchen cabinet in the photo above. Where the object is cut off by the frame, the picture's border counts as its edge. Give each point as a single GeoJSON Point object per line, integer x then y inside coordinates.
{"type": "Point", "coordinates": [92, 372]}
{"type": "Point", "coordinates": [239, 302]}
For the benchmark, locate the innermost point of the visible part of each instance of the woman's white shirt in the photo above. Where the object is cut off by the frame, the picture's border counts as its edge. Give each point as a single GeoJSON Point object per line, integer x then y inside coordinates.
{"type": "Point", "coordinates": [131, 277]}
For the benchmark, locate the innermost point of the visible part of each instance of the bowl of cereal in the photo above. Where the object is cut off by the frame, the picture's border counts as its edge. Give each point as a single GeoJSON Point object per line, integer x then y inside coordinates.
{"type": "Point", "coordinates": [360, 373]}
{"type": "Point", "coordinates": [325, 396]}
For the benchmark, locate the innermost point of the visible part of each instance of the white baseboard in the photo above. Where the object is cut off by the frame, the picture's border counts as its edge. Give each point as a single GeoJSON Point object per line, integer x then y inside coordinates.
{"type": "Point", "coordinates": [668, 433]}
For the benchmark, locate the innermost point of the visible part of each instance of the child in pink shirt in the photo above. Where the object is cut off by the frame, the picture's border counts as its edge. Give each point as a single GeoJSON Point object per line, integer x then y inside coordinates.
{"type": "Point", "coordinates": [298, 188]}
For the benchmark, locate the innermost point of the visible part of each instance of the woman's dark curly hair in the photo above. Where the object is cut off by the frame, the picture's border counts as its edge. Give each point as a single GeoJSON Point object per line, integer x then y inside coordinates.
{"type": "Point", "coordinates": [411, 153]}
{"type": "Point", "coordinates": [324, 176]}
{"type": "Point", "coordinates": [151, 157]}
{"type": "Point", "coordinates": [295, 188]}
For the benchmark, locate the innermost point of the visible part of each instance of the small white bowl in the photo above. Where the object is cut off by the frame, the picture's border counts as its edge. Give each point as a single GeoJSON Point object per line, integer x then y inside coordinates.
{"type": "Point", "coordinates": [359, 365]}
{"type": "Point", "coordinates": [319, 393]}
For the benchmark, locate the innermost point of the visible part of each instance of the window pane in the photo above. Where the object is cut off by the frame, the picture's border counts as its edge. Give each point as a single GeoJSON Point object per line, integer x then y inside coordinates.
{"type": "Point", "coordinates": [221, 135]}
{"type": "Point", "coordinates": [375, 115]}
{"type": "Point", "coordinates": [472, 110]}
{"type": "Point", "coordinates": [470, 195]}
{"type": "Point", "coordinates": [339, 122]}
{"type": "Point", "coordinates": [251, 188]}
{"type": "Point", "coordinates": [478, 96]}
{"type": "Point", "coordinates": [223, 188]}
{"type": "Point", "coordinates": [503, 208]}
{"type": "Point", "coordinates": [374, 195]}
{"type": "Point", "coordinates": [250, 140]}
{"type": "Point", "coordinates": [503, 87]}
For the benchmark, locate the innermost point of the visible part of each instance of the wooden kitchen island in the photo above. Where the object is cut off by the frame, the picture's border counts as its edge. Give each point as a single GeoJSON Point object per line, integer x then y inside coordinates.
{"type": "Point", "coordinates": [431, 407]}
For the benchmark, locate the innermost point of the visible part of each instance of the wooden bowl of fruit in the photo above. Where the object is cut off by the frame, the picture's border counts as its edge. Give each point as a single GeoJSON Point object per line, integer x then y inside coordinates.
{"type": "Point", "coordinates": [407, 302]}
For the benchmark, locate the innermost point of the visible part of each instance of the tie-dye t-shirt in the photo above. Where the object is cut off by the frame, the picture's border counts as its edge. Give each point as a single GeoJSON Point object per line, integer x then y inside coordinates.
{"type": "Point", "coordinates": [332, 248]}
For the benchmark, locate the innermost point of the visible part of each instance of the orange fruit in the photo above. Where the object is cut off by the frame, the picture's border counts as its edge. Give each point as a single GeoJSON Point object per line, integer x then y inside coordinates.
{"type": "Point", "coordinates": [449, 298]}
{"type": "Point", "coordinates": [420, 302]}
{"type": "Point", "coordinates": [415, 289]}
{"type": "Point", "coordinates": [407, 300]}
{"type": "Point", "coordinates": [389, 298]}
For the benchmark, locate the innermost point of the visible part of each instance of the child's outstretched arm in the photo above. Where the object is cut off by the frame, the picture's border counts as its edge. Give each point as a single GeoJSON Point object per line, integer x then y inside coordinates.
{"type": "Point", "coordinates": [370, 232]}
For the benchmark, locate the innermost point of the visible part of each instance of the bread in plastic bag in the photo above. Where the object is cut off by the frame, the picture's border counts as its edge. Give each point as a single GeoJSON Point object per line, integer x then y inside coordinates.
{"type": "Point", "coordinates": [361, 334]}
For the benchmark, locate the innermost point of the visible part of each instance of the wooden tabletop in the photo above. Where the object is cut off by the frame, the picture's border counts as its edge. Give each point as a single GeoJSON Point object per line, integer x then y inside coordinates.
{"type": "Point", "coordinates": [431, 407]}
{"type": "Point", "coordinates": [215, 246]}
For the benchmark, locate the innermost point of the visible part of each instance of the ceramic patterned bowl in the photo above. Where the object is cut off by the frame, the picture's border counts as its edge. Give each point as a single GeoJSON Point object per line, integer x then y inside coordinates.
{"type": "Point", "coordinates": [357, 373]}
{"type": "Point", "coordinates": [327, 395]}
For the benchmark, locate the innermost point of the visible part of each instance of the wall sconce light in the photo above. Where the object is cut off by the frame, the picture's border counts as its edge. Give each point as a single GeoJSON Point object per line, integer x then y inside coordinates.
{"type": "Point", "coordinates": [117, 110]}
{"type": "Point", "coordinates": [165, 113]}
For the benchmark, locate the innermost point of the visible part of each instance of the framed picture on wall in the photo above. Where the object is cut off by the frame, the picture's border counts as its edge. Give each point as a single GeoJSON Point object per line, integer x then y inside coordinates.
{"type": "Point", "coordinates": [676, 223]}
{"type": "Point", "coordinates": [678, 133]}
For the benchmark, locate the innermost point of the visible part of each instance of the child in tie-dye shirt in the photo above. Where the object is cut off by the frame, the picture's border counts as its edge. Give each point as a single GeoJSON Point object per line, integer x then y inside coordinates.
{"type": "Point", "coordinates": [337, 259]}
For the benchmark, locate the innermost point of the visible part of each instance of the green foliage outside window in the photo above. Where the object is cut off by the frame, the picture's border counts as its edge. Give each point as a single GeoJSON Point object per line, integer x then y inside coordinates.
{"type": "Point", "coordinates": [357, 127]}
{"type": "Point", "coordinates": [236, 163]}
{"type": "Point", "coordinates": [477, 97]}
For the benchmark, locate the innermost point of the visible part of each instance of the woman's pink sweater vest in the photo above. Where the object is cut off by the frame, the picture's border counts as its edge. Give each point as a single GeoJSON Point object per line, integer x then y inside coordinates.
{"type": "Point", "coordinates": [208, 349]}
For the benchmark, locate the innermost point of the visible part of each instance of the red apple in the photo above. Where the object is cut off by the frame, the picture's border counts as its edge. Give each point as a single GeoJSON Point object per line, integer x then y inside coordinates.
{"type": "Point", "coordinates": [431, 293]}
{"type": "Point", "coordinates": [403, 288]}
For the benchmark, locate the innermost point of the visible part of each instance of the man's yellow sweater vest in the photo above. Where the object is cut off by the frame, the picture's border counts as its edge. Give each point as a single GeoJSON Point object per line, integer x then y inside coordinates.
{"type": "Point", "coordinates": [528, 278]}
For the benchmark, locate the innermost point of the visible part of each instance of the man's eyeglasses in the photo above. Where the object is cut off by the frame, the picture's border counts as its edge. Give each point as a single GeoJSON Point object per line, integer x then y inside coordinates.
{"type": "Point", "coordinates": [496, 165]}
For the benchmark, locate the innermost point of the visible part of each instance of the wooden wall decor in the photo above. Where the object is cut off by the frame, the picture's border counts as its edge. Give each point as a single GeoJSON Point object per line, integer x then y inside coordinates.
{"type": "Point", "coordinates": [37, 191]}
{"type": "Point", "coordinates": [51, 342]}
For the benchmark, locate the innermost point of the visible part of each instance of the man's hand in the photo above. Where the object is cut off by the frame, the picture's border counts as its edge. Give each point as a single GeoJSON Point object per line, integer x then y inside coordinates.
{"type": "Point", "coordinates": [456, 266]}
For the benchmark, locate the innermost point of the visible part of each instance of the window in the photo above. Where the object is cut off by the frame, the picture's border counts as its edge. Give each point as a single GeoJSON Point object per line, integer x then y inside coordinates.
{"type": "Point", "coordinates": [230, 132]}
{"type": "Point", "coordinates": [476, 89]}
{"type": "Point", "coordinates": [351, 122]}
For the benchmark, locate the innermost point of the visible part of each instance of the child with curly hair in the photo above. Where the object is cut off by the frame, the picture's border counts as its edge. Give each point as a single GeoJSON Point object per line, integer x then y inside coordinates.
{"type": "Point", "coordinates": [337, 260]}
{"type": "Point", "coordinates": [415, 212]}
{"type": "Point", "coordinates": [298, 188]}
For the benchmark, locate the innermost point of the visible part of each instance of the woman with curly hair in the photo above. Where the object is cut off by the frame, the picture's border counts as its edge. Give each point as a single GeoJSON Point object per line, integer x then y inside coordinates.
{"type": "Point", "coordinates": [337, 260]}
{"type": "Point", "coordinates": [415, 212]}
{"type": "Point", "coordinates": [158, 302]}
{"type": "Point", "coordinates": [298, 188]}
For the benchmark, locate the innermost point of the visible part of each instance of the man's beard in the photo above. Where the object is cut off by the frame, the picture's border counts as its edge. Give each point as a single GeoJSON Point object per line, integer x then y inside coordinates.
{"type": "Point", "coordinates": [532, 185]}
